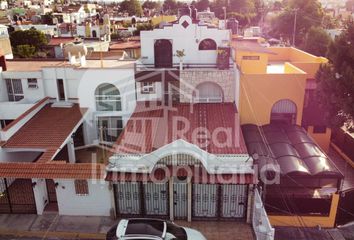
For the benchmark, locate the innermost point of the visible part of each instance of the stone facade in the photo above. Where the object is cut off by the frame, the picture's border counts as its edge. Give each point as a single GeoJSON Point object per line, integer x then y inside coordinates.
{"type": "Point", "coordinates": [191, 78]}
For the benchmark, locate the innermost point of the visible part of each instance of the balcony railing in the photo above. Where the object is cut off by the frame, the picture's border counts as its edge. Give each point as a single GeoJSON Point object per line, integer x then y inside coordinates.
{"type": "Point", "coordinates": [145, 67]}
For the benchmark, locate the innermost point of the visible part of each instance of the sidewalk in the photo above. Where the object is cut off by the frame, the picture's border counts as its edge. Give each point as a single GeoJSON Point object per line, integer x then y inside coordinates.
{"type": "Point", "coordinates": [53, 226]}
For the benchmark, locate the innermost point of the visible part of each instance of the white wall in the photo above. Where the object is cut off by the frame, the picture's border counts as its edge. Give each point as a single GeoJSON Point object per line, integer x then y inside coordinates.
{"type": "Point", "coordinates": [184, 38]}
{"type": "Point", "coordinates": [97, 203]}
{"type": "Point", "coordinates": [40, 195]}
{"type": "Point", "coordinates": [12, 110]}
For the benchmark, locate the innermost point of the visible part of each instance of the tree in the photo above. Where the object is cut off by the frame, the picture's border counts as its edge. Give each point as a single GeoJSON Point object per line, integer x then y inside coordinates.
{"type": "Point", "coordinates": [170, 6]}
{"type": "Point", "coordinates": [25, 51]}
{"type": "Point", "coordinates": [335, 89]}
{"type": "Point", "coordinates": [31, 37]}
{"type": "Point", "coordinates": [317, 41]}
{"type": "Point", "coordinates": [132, 7]}
{"type": "Point", "coordinates": [202, 5]}
{"type": "Point", "coordinates": [152, 5]}
{"type": "Point", "coordinates": [309, 14]}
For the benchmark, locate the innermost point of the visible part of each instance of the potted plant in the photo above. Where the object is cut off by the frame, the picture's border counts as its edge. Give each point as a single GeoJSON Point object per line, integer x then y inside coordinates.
{"type": "Point", "coordinates": [180, 54]}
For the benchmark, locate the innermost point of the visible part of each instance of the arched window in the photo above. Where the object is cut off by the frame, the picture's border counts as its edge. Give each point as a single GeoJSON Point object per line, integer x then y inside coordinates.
{"type": "Point", "coordinates": [207, 44]}
{"type": "Point", "coordinates": [208, 92]}
{"type": "Point", "coordinates": [284, 111]}
{"type": "Point", "coordinates": [107, 98]}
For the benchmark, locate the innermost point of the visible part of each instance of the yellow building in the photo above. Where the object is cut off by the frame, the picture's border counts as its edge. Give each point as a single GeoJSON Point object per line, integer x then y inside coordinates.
{"type": "Point", "coordinates": [273, 84]}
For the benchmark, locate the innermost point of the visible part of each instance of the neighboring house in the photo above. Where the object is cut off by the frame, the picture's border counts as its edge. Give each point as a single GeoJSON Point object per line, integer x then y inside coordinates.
{"type": "Point", "coordinates": [277, 85]}
{"type": "Point", "coordinates": [5, 45]}
{"type": "Point", "coordinates": [51, 30]}
{"type": "Point", "coordinates": [131, 47]}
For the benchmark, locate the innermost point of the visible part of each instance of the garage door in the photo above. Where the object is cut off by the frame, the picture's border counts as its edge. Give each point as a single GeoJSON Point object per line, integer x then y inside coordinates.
{"type": "Point", "coordinates": [128, 198]}
{"type": "Point", "coordinates": [234, 198]}
{"type": "Point", "coordinates": [155, 197]}
{"type": "Point", "coordinates": [205, 200]}
{"type": "Point", "coordinates": [16, 196]}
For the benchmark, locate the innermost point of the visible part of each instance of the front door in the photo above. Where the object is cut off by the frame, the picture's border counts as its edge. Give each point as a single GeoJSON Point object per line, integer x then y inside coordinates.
{"type": "Point", "coordinates": [163, 53]}
{"type": "Point", "coordinates": [155, 197]}
{"type": "Point", "coordinates": [52, 193]}
{"type": "Point", "coordinates": [180, 200]}
{"type": "Point", "coordinates": [234, 199]}
{"type": "Point", "coordinates": [128, 198]}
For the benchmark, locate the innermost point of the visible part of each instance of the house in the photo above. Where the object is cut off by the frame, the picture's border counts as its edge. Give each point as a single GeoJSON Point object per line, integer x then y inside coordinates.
{"type": "Point", "coordinates": [283, 129]}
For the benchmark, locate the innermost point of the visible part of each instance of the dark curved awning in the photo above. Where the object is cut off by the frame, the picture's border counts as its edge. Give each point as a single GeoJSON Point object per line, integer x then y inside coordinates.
{"type": "Point", "coordinates": [290, 149]}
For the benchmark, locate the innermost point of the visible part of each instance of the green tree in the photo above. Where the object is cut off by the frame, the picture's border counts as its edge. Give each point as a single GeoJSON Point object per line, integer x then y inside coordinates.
{"type": "Point", "coordinates": [132, 7]}
{"type": "Point", "coordinates": [143, 27]}
{"type": "Point", "coordinates": [31, 37]}
{"type": "Point", "coordinates": [317, 41]}
{"type": "Point", "coordinates": [335, 89]}
{"type": "Point", "coordinates": [170, 6]}
{"type": "Point", "coordinates": [25, 51]}
{"type": "Point", "coordinates": [152, 5]}
{"type": "Point", "coordinates": [309, 13]}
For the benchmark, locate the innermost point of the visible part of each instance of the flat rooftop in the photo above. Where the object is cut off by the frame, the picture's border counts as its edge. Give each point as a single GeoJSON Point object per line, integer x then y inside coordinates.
{"type": "Point", "coordinates": [35, 66]}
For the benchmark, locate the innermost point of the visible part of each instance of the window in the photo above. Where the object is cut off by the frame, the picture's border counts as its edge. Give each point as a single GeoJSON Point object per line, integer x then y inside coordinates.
{"type": "Point", "coordinates": [250, 57]}
{"type": "Point", "coordinates": [109, 128]}
{"type": "Point", "coordinates": [32, 83]}
{"type": "Point", "coordinates": [14, 89]}
{"type": "Point", "coordinates": [207, 44]}
{"type": "Point", "coordinates": [108, 98]}
{"type": "Point", "coordinates": [147, 87]}
{"type": "Point", "coordinates": [319, 129]}
{"type": "Point", "coordinates": [81, 187]}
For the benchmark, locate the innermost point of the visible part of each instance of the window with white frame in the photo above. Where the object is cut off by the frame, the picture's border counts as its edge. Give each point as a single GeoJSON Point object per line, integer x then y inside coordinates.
{"type": "Point", "coordinates": [147, 87]}
{"type": "Point", "coordinates": [14, 89]}
{"type": "Point", "coordinates": [108, 98]}
{"type": "Point", "coordinates": [32, 83]}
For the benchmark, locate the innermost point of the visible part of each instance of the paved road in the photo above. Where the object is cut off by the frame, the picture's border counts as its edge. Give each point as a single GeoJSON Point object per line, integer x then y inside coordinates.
{"type": "Point", "coordinates": [25, 238]}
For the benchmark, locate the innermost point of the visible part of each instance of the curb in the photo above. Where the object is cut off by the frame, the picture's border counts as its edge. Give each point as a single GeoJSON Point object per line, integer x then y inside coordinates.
{"type": "Point", "coordinates": [61, 235]}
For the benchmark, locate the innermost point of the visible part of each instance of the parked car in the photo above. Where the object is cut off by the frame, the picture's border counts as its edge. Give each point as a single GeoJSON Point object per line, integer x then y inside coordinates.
{"type": "Point", "coordinates": [153, 229]}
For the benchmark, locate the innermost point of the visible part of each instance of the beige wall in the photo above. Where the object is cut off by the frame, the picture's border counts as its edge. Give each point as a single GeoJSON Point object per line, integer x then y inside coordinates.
{"type": "Point", "coordinates": [191, 78]}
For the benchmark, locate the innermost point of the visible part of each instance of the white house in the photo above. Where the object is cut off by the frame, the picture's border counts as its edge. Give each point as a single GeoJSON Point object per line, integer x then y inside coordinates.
{"type": "Point", "coordinates": [199, 42]}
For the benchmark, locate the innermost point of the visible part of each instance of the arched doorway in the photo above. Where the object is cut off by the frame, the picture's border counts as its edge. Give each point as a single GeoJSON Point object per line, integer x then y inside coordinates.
{"type": "Point", "coordinates": [208, 92]}
{"type": "Point", "coordinates": [284, 112]}
{"type": "Point", "coordinates": [163, 53]}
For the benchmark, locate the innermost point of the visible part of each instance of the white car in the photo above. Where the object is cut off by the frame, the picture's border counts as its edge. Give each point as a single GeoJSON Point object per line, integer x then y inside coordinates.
{"type": "Point", "coordinates": [151, 229]}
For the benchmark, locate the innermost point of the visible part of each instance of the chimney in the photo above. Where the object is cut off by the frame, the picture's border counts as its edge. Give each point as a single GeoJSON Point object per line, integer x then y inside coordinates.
{"type": "Point", "coordinates": [3, 63]}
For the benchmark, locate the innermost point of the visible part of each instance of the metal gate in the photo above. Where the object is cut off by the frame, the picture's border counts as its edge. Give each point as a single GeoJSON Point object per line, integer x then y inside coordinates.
{"type": "Point", "coordinates": [128, 198]}
{"type": "Point", "coordinates": [205, 200]}
{"type": "Point", "coordinates": [52, 193]}
{"type": "Point", "coordinates": [16, 196]}
{"type": "Point", "coordinates": [155, 197]}
{"type": "Point", "coordinates": [234, 199]}
{"type": "Point", "coordinates": [180, 200]}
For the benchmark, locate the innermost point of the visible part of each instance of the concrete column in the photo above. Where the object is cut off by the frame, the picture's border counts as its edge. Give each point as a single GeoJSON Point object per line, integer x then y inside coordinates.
{"type": "Point", "coordinates": [71, 150]}
{"type": "Point", "coordinates": [189, 200]}
{"type": "Point", "coordinates": [250, 200]}
{"type": "Point", "coordinates": [170, 188]}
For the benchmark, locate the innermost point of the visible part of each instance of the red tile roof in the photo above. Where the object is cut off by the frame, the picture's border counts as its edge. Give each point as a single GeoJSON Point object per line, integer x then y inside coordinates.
{"type": "Point", "coordinates": [198, 175]}
{"type": "Point", "coordinates": [151, 128]}
{"type": "Point", "coordinates": [23, 115]}
{"type": "Point", "coordinates": [125, 45]}
{"type": "Point", "coordinates": [52, 170]}
{"type": "Point", "coordinates": [58, 40]}
{"type": "Point", "coordinates": [47, 130]}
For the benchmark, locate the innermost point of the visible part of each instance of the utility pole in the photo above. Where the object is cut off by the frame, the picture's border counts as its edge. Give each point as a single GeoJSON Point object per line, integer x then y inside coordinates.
{"type": "Point", "coordinates": [295, 19]}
